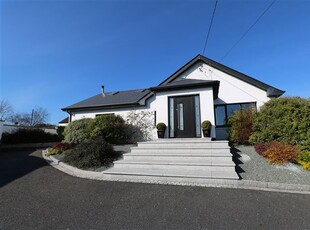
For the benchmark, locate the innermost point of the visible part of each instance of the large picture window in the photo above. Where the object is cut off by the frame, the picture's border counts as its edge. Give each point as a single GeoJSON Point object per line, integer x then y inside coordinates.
{"type": "Point", "coordinates": [224, 112]}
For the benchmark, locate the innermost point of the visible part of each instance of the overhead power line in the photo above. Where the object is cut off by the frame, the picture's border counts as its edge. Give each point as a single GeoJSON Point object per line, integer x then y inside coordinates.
{"type": "Point", "coordinates": [247, 31]}
{"type": "Point", "coordinates": [207, 38]}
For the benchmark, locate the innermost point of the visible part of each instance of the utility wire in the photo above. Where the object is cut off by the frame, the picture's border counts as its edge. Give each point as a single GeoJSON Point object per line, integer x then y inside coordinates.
{"type": "Point", "coordinates": [204, 48]}
{"type": "Point", "coordinates": [247, 31]}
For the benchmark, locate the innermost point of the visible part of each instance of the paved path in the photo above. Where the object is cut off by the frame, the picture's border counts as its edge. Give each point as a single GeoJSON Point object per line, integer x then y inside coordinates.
{"type": "Point", "coordinates": [33, 195]}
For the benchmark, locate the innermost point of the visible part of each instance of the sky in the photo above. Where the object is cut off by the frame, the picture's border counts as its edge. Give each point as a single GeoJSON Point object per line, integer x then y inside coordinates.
{"type": "Point", "coordinates": [56, 53]}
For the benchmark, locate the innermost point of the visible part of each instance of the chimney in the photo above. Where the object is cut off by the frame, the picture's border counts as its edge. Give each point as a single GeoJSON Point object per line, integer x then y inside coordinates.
{"type": "Point", "coordinates": [102, 90]}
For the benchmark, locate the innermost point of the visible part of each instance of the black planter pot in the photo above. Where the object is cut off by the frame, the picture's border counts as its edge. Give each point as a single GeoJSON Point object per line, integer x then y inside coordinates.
{"type": "Point", "coordinates": [161, 133]}
{"type": "Point", "coordinates": [206, 132]}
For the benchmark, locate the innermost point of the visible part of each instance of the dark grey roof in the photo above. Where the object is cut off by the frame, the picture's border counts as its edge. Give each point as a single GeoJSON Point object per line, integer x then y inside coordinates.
{"type": "Point", "coordinates": [64, 121]}
{"type": "Point", "coordinates": [113, 99]}
{"type": "Point", "coordinates": [199, 58]}
{"type": "Point", "coordinates": [188, 84]}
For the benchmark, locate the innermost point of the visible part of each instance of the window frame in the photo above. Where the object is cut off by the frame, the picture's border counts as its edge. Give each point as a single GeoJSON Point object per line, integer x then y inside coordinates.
{"type": "Point", "coordinates": [226, 114]}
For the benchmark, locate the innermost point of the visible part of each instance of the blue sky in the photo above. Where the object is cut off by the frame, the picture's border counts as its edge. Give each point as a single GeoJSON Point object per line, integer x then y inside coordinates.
{"type": "Point", "coordinates": [56, 53]}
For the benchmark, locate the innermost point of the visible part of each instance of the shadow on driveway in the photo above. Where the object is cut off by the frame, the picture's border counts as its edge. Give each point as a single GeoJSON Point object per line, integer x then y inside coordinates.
{"type": "Point", "coordinates": [16, 163]}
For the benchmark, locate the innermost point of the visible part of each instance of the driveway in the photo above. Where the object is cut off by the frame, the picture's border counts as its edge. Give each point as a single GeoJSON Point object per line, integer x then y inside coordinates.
{"type": "Point", "coordinates": [33, 195]}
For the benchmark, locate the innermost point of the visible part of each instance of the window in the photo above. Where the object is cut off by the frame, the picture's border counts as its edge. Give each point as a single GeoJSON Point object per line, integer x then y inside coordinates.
{"type": "Point", "coordinates": [105, 114]}
{"type": "Point", "coordinates": [231, 109]}
{"type": "Point", "coordinates": [197, 114]}
{"type": "Point", "coordinates": [220, 115]}
{"type": "Point", "coordinates": [180, 116]}
{"type": "Point", "coordinates": [224, 112]}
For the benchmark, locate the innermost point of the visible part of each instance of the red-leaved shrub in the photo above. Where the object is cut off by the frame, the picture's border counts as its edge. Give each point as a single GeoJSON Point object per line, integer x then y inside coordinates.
{"type": "Point", "coordinates": [261, 147]}
{"type": "Point", "coordinates": [280, 153]}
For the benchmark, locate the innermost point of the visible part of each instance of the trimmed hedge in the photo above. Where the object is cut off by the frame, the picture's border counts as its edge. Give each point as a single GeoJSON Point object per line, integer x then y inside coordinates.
{"type": "Point", "coordinates": [91, 153]}
{"type": "Point", "coordinates": [29, 136]}
{"type": "Point", "coordinates": [283, 119]}
{"type": "Point", "coordinates": [77, 131]}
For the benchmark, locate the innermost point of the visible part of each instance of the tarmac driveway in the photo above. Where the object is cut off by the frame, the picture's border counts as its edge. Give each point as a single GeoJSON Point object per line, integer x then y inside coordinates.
{"type": "Point", "coordinates": [33, 195]}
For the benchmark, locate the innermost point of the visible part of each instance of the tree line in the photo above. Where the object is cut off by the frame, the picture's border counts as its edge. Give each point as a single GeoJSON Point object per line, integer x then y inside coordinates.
{"type": "Point", "coordinates": [37, 116]}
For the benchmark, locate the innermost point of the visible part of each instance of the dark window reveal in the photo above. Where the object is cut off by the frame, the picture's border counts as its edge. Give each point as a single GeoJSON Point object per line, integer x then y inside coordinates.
{"type": "Point", "coordinates": [106, 114]}
{"type": "Point", "coordinates": [224, 112]}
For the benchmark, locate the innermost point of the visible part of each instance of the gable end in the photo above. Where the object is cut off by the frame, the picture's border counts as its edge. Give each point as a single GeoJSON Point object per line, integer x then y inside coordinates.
{"type": "Point", "coordinates": [271, 91]}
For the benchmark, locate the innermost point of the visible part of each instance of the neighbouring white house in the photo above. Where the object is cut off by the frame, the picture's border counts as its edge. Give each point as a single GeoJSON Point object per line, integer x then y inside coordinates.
{"type": "Point", "coordinates": [200, 90]}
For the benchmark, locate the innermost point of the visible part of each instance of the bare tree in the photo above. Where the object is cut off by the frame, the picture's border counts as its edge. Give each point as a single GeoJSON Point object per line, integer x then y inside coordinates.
{"type": "Point", "coordinates": [6, 109]}
{"type": "Point", "coordinates": [38, 116]}
{"type": "Point", "coordinates": [23, 119]}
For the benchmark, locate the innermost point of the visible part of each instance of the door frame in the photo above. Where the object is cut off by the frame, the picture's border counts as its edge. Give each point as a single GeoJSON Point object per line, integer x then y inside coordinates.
{"type": "Point", "coordinates": [184, 95]}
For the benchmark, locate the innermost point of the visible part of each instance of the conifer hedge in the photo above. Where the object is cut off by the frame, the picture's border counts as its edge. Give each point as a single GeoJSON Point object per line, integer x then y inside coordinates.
{"type": "Point", "coordinates": [284, 119]}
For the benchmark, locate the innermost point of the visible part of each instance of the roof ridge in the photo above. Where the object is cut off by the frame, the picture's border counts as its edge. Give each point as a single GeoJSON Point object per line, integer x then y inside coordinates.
{"type": "Point", "coordinates": [237, 74]}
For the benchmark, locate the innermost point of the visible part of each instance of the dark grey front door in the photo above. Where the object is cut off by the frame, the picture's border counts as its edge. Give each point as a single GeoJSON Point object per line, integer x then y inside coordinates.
{"type": "Point", "coordinates": [184, 117]}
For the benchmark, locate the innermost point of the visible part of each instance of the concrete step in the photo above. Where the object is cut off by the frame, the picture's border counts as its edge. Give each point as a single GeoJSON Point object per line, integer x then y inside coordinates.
{"type": "Point", "coordinates": [224, 161]}
{"type": "Point", "coordinates": [182, 158]}
{"type": "Point", "coordinates": [177, 144]}
{"type": "Point", "coordinates": [179, 173]}
{"type": "Point", "coordinates": [174, 167]}
{"type": "Point", "coordinates": [180, 150]}
{"type": "Point", "coordinates": [182, 140]}
{"type": "Point", "coordinates": [173, 154]}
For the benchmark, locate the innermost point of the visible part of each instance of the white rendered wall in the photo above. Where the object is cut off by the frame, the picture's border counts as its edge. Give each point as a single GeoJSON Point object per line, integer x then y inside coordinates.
{"type": "Point", "coordinates": [10, 128]}
{"type": "Point", "coordinates": [123, 112]}
{"type": "Point", "coordinates": [206, 105]}
{"type": "Point", "coordinates": [77, 115]}
{"type": "Point", "coordinates": [231, 90]}
{"type": "Point", "coordinates": [14, 128]}
{"type": "Point", "coordinates": [1, 129]}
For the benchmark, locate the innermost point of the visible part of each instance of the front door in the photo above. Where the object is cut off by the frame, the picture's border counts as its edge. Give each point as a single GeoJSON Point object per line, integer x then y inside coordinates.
{"type": "Point", "coordinates": [183, 117]}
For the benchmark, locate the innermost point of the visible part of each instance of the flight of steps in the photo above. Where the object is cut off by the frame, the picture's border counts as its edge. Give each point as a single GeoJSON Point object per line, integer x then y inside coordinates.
{"type": "Point", "coordinates": [182, 158]}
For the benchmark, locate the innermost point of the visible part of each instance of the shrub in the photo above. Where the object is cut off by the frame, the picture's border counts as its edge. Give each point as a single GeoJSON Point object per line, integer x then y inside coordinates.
{"type": "Point", "coordinates": [206, 125]}
{"type": "Point", "coordinates": [28, 136]}
{"type": "Point", "coordinates": [304, 160]}
{"type": "Point", "coordinates": [59, 148]}
{"type": "Point", "coordinates": [111, 127]}
{"type": "Point", "coordinates": [60, 132]}
{"type": "Point", "coordinates": [241, 126]}
{"type": "Point", "coordinates": [260, 148]}
{"type": "Point", "coordinates": [304, 156]}
{"type": "Point", "coordinates": [280, 153]}
{"type": "Point", "coordinates": [135, 134]}
{"type": "Point", "coordinates": [77, 131]}
{"type": "Point", "coordinates": [285, 120]}
{"type": "Point", "coordinates": [91, 153]}
{"type": "Point", "coordinates": [161, 126]}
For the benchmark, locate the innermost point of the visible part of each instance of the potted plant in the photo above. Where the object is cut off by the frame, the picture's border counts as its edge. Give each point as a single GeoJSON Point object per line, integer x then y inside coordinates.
{"type": "Point", "coordinates": [206, 128]}
{"type": "Point", "coordinates": [161, 128]}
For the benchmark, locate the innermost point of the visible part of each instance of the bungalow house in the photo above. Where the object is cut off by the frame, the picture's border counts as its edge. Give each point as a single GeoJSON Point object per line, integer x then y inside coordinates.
{"type": "Point", "coordinates": [200, 90]}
